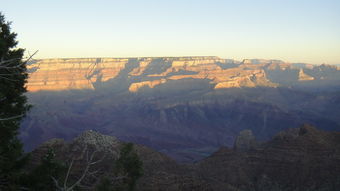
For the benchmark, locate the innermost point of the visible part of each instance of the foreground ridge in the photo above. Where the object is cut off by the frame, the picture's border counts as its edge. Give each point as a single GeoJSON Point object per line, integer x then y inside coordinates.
{"type": "Point", "coordinates": [296, 159]}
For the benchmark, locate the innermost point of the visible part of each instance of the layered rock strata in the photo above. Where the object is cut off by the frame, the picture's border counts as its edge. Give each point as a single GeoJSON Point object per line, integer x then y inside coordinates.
{"type": "Point", "coordinates": [84, 73]}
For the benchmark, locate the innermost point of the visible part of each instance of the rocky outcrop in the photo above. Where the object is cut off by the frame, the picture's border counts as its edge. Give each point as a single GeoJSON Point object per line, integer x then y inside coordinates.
{"type": "Point", "coordinates": [134, 87]}
{"type": "Point", "coordinates": [304, 77]}
{"type": "Point", "coordinates": [251, 79]}
{"type": "Point", "coordinates": [98, 141]}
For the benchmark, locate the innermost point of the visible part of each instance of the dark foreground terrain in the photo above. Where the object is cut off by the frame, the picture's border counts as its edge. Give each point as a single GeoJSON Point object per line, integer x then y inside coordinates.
{"type": "Point", "coordinates": [295, 159]}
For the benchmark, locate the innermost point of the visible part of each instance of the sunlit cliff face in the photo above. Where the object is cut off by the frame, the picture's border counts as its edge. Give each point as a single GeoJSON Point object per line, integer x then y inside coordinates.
{"type": "Point", "coordinates": [64, 74]}
{"type": "Point", "coordinates": [84, 73]}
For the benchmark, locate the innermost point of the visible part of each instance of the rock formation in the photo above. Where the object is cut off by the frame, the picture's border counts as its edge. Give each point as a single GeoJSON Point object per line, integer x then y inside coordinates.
{"type": "Point", "coordinates": [186, 107]}
{"type": "Point", "coordinates": [85, 73]}
{"type": "Point", "coordinates": [304, 77]}
{"type": "Point", "coordinates": [134, 87]}
{"type": "Point", "coordinates": [65, 74]}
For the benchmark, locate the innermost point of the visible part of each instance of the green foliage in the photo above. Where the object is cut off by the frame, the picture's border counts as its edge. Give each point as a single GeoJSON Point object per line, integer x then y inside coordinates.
{"type": "Point", "coordinates": [13, 106]}
{"type": "Point", "coordinates": [40, 178]}
{"type": "Point", "coordinates": [130, 164]}
{"type": "Point", "coordinates": [105, 185]}
{"type": "Point", "coordinates": [127, 169]}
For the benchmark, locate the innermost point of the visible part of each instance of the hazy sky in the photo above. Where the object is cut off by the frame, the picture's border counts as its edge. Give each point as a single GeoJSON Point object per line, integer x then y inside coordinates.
{"type": "Point", "coordinates": [291, 30]}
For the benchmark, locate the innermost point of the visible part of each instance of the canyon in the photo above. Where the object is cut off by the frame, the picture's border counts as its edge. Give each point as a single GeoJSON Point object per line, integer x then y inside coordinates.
{"type": "Point", "coordinates": [185, 107]}
{"type": "Point", "coordinates": [86, 73]}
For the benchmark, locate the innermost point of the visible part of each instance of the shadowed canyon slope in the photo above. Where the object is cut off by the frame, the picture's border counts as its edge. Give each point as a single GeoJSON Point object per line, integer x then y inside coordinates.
{"type": "Point", "coordinates": [186, 107]}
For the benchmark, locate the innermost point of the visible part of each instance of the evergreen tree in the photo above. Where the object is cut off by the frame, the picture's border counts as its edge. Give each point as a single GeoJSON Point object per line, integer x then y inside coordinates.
{"type": "Point", "coordinates": [105, 185]}
{"type": "Point", "coordinates": [130, 164]}
{"type": "Point", "coordinates": [40, 178]}
{"type": "Point", "coordinates": [128, 168]}
{"type": "Point", "coordinates": [13, 106]}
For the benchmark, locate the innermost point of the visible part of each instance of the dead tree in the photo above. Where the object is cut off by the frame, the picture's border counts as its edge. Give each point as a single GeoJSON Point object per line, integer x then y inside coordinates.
{"type": "Point", "coordinates": [87, 172]}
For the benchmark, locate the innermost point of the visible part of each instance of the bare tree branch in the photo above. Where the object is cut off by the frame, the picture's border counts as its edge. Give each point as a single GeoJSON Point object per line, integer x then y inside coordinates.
{"type": "Point", "coordinates": [89, 162]}
{"type": "Point", "coordinates": [68, 173]}
{"type": "Point", "coordinates": [5, 64]}
{"type": "Point", "coordinates": [10, 118]}
{"type": "Point", "coordinates": [13, 80]}
{"type": "Point", "coordinates": [57, 184]}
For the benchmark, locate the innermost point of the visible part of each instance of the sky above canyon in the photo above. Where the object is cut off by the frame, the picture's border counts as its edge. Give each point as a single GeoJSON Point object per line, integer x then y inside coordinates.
{"type": "Point", "coordinates": [291, 30]}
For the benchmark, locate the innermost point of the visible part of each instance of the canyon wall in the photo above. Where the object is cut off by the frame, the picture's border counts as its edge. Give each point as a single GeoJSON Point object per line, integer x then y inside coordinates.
{"type": "Point", "coordinates": [185, 107]}
{"type": "Point", "coordinates": [84, 73]}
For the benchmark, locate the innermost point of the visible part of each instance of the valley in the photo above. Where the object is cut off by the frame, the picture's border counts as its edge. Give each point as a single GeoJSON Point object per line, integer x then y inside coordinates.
{"type": "Point", "coordinates": [186, 107]}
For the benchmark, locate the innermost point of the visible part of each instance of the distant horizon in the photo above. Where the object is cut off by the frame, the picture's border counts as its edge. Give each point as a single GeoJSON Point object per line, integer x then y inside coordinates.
{"type": "Point", "coordinates": [127, 57]}
{"type": "Point", "coordinates": [304, 31]}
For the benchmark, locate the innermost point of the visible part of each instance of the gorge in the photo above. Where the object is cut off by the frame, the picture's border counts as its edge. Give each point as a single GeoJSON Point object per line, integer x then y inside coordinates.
{"type": "Point", "coordinates": [186, 107]}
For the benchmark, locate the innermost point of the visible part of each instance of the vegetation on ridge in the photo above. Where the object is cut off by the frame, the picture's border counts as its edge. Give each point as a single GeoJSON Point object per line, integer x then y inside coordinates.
{"type": "Point", "coordinates": [85, 169]}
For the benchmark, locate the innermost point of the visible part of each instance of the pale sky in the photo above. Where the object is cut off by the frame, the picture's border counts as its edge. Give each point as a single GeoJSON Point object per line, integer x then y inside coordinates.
{"type": "Point", "coordinates": [291, 30]}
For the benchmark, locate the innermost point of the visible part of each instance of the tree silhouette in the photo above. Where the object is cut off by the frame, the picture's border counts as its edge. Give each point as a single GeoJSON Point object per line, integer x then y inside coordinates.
{"type": "Point", "coordinates": [13, 106]}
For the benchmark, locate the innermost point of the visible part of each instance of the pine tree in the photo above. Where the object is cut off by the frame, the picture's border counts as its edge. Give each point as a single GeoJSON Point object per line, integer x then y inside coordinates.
{"type": "Point", "coordinates": [130, 164]}
{"type": "Point", "coordinates": [13, 106]}
{"type": "Point", "coordinates": [40, 178]}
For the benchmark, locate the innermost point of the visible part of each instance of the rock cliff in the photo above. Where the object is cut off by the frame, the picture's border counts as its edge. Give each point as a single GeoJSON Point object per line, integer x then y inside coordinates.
{"type": "Point", "coordinates": [65, 74]}
{"type": "Point", "coordinates": [86, 73]}
{"type": "Point", "coordinates": [186, 107]}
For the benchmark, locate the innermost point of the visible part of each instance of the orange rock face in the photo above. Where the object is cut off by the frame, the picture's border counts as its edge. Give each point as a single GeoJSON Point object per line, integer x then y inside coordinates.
{"type": "Point", "coordinates": [83, 73]}
{"type": "Point", "coordinates": [134, 87]}
{"type": "Point", "coordinates": [246, 79]}
{"type": "Point", "coordinates": [64, 74]}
